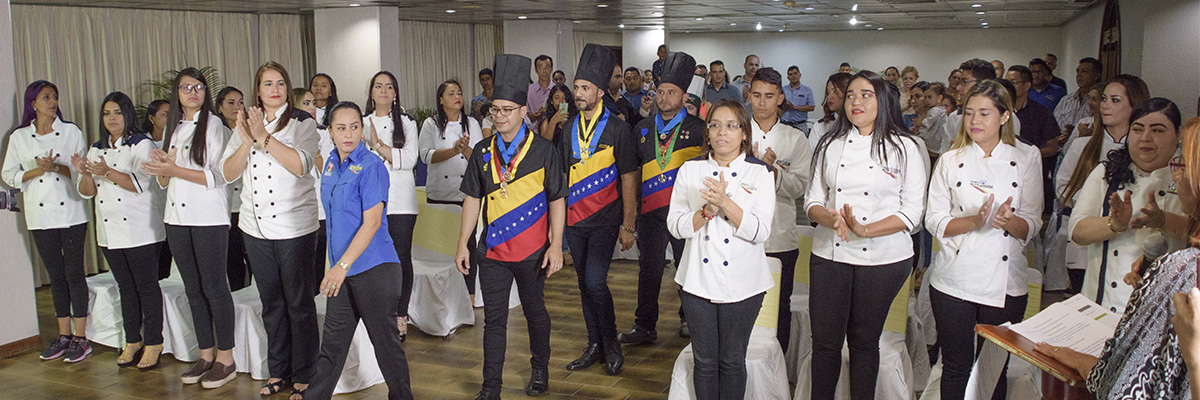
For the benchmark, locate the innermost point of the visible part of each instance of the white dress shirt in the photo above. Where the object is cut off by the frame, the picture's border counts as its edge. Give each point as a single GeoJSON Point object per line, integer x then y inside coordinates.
{"type": "Point", "coordinates": [793, 160]}
{"type": "Point", "coordinates": [190, 204]}
{"type": "Point", "coordinates": [721, 262]}
{"type": "Point", "coordinates": [444, 178]}
{"type": "Point", "coordinates": [320, 117]}
{"type": "Point", "coordinates": [847, 174]}
{"type": "Point", "coordinates": [985, 264]}
{"type": "Point", "coordinates": [126, 219]}
{"type": "Point", "coordinates": [325, 147]}
{"type": "Point", "coordinates": [51, 201]}
{"type": "Point", "coordinates": [1076, 256]}
{"type": "Point", "coordinates": [276, 204]}
{"type": "Point", "coordinates": [1119, 253]}
{"type": "Point", "coordinates": [402, 191]}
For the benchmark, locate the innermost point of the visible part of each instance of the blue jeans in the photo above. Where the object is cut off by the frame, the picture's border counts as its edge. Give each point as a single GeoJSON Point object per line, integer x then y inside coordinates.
{"type": "Point", "coordinates": [592, 250]}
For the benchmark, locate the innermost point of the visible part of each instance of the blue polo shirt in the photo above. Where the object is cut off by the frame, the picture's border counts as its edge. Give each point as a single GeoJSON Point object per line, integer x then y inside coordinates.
{"type": "Point", "coordinates": [634, 98]}
{"type": "Point", "coordinates": [348, 188]}
{"type": "Point", "coordinates": [801, 96]}
{"type": "Point", "coordinates": [1049, 96]}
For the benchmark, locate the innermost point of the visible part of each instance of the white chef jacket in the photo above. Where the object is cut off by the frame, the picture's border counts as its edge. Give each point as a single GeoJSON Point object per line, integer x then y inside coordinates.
{"type": "Point", "coordinates": [51, 201]}
{"type": "Point", "coordinates": [1119, 253]}
{"type": "Point", "coordinates": [402, 191]}
{"type": "Point", "coordinates": [444, 178]}
{"type": "Point", "coordinates": [983, 265]}
{"type": "Point", "coordinates": [848, 174]}
{"type": "Point", "coordinates": [793, 159]}
{"type": "Point", "coordinates": [126, 219]}
{"type": "Point", "coordinates": [209, 203]}
{"type": "Point", "coordinates": [721, 262]}
{"type": "Point", "coordinates": [276, 204]}
{"type": "Point", "coordinates": [325, 146]}
{"type": "Point", "coordinates": [818, 130]}
{"type": "Point", "coordinates": [1076, 256]}
{"type": "Point", "coordinates": [320, 117]}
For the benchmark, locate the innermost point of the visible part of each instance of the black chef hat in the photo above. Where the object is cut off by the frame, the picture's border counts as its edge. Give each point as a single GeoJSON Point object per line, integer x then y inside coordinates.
{"type": "Point", "coordinates": [596, 65]}
{"type": "Point", "coordinates": [678, 69]}
{"type": "Point", "coordinates": [511, 79]}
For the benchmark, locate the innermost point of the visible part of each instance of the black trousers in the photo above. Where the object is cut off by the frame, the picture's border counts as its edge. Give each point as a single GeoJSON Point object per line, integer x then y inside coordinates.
{"type": "Point", "coordinates": [400, 227]}
{"type": "Point", "coordinates": [1076, 276]}
{"type": "Point", "coordinates": [369, 296]}
{"type": "Point", "coordinates": [200, 253]}
{"type": "Point", "coordinates": [720, 338]}
{"type": "Point", "coordinates": [471, 246]}
{"type": "Point", "coordinates": [849, 304]}
{"type": "Point", "coordinates": [320, 258]}
{"type": "Point", "coordinates": [787, 282]}
{"type": "Point", "coordinates": [62, 253]}
{"type": "Point", "coordinates": [495, 280]}
{"type": "Point", "coordinates": [284, 281]}
{"type": "Point", "coordinates": [956, 319]}
{"type": "Point", "coordinates": [136, 271]}
{"type": "Point", "coordinates": [164, 261]}
{"type": "Point", "coordinates": [652, 241]}
{"type": "Point", "coordinates": [592, 250]}
{"type": "Point", "coordinates": [237, 263]}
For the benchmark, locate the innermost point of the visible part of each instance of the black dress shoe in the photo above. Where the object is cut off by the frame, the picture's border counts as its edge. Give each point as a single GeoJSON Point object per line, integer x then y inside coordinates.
{"type": "Point", "coordinates": [591, 356]}
{"type": "Point", "coordinates": [638, 336]}
{"type": "Point", "coordinates": [539, 382]}
{"type": "Point", "coordinates": [684, 331]}
{"type": "Point", "coordinates": [613, 360]}
{"type": "Point", "coordinates": [486, 395]}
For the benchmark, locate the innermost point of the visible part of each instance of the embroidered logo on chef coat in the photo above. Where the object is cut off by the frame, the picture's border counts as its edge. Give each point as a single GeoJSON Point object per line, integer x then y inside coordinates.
{"type": "Point", "coordinates": [1171, 188]}
{"type": "Point", "coordinates": [982, 186]}
{"type": "Point", "coordinates": [749, 188]}
{"type": "Point", "coordinates": [893, 172]}
{"type": "Point", "coordinates": [783, 163]}
{"type": "Point", "coordinates": [355, 169]}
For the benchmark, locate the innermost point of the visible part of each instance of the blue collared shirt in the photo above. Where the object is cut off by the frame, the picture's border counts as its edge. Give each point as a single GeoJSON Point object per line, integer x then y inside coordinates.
{"type": "Point", "coordinates": [1049, 96]}
{"type": "Point", "coordinates": [634, 98]}
{"type": "Point", "coordinates": [801, 96]}
{"type": "Point", "coordinates": [348, 188]}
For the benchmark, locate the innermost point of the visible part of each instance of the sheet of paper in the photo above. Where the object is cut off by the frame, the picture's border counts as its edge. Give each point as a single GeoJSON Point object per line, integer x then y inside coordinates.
{"type": "Point", "coordinates": [1077, 323]}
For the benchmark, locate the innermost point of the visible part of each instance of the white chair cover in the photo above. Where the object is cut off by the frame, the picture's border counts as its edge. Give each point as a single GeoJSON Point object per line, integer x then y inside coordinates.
{"type": "Point", "coordinates": [440, 302]}
{"type": "Point", "coordinates": [766, 371]}
{"type": "Point", "coordinates": [105, 322]}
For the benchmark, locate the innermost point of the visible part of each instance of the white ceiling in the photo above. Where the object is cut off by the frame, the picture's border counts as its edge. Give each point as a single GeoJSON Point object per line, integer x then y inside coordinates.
{"type": "Point", "coordinates": [673, 15]}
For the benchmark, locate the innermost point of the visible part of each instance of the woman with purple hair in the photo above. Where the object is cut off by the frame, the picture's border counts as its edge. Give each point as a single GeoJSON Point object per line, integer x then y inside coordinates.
{"type": "Point", "coordinates": [38, 161]}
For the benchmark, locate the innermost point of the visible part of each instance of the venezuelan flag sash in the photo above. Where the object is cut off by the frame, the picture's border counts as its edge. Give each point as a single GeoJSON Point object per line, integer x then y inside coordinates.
{"type": "Point", "coordinates": [656, 191]}
{"type": "Point", "coordinates": [593, 185]}
{"type": "Point", "coordinates": [517, 215]}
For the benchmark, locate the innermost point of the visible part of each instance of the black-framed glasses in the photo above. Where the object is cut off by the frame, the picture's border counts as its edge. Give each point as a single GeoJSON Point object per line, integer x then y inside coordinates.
{"type": "Point", "coordinates": [191, 88]}
{"type": "Point", "coordinates": [504, 112]}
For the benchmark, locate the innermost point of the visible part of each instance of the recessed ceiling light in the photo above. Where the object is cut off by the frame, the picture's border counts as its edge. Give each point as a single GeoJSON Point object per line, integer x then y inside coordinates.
{"type": "Point", "coordinates": [879, 29]}
{"type": "Point", "coordinates": [602, 5]}
{"type": "Point", "coordinates": [657, 13]}
{"type": "Point", "coordinates": [577, 21]}
{"type": "Point", "coordinates": [658, 6]}
{"type": "Point", "coordinates": [809, 8]}
{"type": "Point", "coordinates": [522, 17]}
{"type": "Point", "coordinates": [854, 7]}
{"type": "Point", "coordinates": [699, 18]}
{"type": "Point", "coordinates": [622, 26]}
{"type": "Point", "coordinates": [733, 24]}
{"type": "Point", "coordinates": [868, 25]}
{"type": "Point", "coordinates": [976, 5]}
{"type": "Point", "coordinates": [758, 26]}
{"type": "Point", "coordinates": [979, 13]}
{"type": "Point", "coordinates": [449, 11]}
{"type": "Point", "coordinates": [354, 4]}
{"type": "Point", "coordinates": [854, 20]}
{"type": "Point", "coordinates": [781, 30]}
{"type": "Point", "coordinates": [983, 23]}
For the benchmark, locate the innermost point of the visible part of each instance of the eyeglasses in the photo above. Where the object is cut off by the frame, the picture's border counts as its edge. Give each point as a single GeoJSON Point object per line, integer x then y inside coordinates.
{"type": "Point", "coordinates": [1177, 164]}
{"type": "Point", "coordinates": [967, 82]}
{"type": "Point", "coordinates": [717, 126]}
{"type": "Point", "coordinates": [503, 112]}
{"type": "Point", "coordinates": [191, 88]}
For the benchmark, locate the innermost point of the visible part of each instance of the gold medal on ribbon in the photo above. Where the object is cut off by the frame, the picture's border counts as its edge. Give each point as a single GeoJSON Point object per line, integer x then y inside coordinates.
{"type": "Point", "coordinates": [662, 178]}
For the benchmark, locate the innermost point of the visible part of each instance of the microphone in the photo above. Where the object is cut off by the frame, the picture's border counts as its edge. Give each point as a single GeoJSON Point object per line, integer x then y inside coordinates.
{"type": "Point", "coordinates": [1153, 248]}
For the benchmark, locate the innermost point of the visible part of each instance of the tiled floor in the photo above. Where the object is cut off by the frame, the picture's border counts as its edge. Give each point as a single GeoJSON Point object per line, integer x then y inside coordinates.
{"type": "Point", "coordinates": [440, 368]}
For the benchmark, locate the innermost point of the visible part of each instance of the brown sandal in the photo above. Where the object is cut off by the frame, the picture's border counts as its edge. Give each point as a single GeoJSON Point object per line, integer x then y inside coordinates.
{"type": "Point", "coordinates": [130, 354]}
{"type": "Point", "coordinates": [150, 357]}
